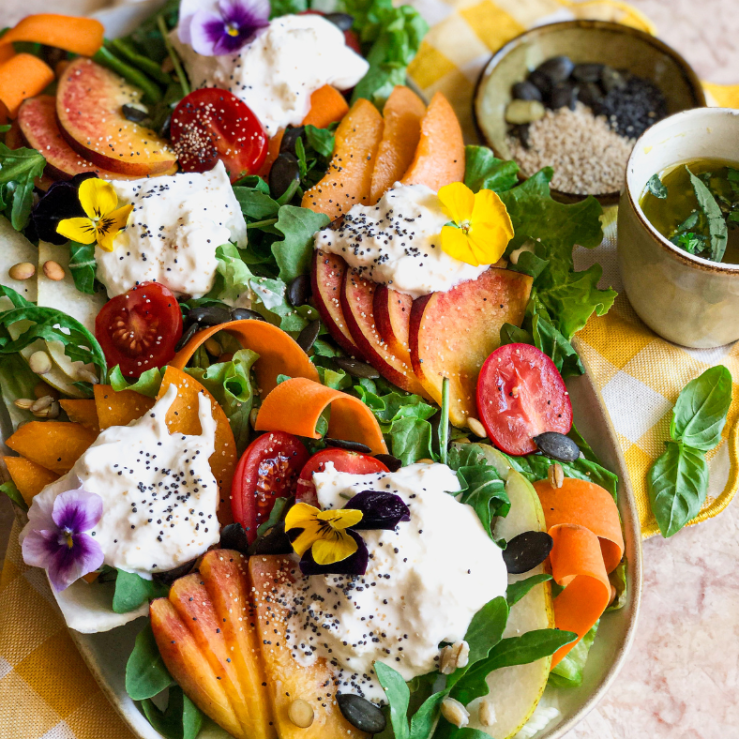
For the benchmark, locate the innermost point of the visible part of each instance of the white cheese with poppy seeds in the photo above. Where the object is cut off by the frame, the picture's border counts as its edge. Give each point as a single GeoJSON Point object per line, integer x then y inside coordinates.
{"type": "Point", "coordinates": [178, 222]}
{"type": "Point", "coordinates": [424, 582]}
{"type": "Point", "coordinates": [159, 494]}
{"type": "Point", "coordinates": [398, 243]}
{"type": "Point", "coordinates": [276, 73]}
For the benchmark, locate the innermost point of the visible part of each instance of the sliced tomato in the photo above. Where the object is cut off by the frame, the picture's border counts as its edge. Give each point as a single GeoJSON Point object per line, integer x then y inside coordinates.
{"type": "Point", "coordinates": [344, 461]}
{"type": "Point", "coordinates": [350, 37]}
{"type": "Point", "coordinates": [520, 394]}
{"type": "Point", "coordinates": [267, 470]}
{"type": "Point", "coordinates": [140, 329]}
{"type": "Point", "coordinates": [211, 124]}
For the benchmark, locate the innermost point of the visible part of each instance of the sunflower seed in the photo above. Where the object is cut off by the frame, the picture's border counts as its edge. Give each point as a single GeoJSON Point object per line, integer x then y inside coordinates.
{"type": "Point", "coordinates": [455, 713]}
{"type": "Point", "coordinates": [23, 403]}
{"type": "Point", "coordinates": [42, 403]}
{"type": "Point", "coordinates": [454, 656]}
{"type": "Point", "coordinates": [51, 411]}
{"type": "Point", "coordinates": [556, 475]}
{"type": "Point", "coordinates": [487, 713]}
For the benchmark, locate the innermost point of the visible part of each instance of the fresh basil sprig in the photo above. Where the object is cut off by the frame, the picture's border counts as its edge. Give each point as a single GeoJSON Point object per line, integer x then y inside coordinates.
{"type": "Point", "coordinates": [678, 480]}
{"type": "Point", "coordinates": [717, 228]}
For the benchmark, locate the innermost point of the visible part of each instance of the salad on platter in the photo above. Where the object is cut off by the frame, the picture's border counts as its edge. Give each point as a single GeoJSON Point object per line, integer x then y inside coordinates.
{"type": "Point", "coordinates": [282, 363]}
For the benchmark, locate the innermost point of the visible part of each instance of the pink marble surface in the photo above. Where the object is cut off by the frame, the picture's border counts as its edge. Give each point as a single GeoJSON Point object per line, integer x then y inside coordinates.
{"type": "Point", "coordinates": [681, 679]}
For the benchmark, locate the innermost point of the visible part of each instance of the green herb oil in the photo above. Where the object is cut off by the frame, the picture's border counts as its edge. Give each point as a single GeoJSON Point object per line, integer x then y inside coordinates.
{"type": "Point", "coordinates": [679, 216]}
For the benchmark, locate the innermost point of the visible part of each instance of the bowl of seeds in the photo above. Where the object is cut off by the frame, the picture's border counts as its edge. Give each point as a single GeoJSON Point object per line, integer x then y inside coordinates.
{"type": "Point", "coordinates": [575, 96]}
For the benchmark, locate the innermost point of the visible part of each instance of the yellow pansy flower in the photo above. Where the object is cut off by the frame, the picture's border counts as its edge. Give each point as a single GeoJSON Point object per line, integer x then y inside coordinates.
{"type": "Point", "coordinates": [103, 218]}
{"type": "Point", "coordinates": [323, 532]}
{"type": "Point", "coordinates": [483, 227]}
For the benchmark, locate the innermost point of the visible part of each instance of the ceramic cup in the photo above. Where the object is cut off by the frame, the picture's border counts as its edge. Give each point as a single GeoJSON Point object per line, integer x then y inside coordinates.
{"type": "Point", "coordinates": [685, 299]}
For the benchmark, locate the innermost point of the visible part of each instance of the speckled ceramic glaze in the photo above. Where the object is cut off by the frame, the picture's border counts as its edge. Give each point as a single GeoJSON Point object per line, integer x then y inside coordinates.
{"type": "Point", "coordinates": [685, 299]}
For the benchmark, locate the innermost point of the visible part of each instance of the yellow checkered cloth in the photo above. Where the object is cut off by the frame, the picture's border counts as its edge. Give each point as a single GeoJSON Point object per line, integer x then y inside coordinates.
{"type": "Point", "coordinates": [46, 691]}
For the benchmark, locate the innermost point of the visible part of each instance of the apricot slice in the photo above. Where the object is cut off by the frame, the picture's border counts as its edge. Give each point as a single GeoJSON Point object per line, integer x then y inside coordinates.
{"type": "Point", "coordinates": [82, 411]}
{"type": "Point", "coordinates": [21, 77]}
{"type": "Point", "coordinates": [39, 127]}
{"type": "Point", "coordinates": [403, 113]}
{"type": "Point", "coordinates": [30, 478]}
{"type": "Point", "coordinates": [348, 181]}
{"type": "Point", "coordinates": [55, 445]}
{"type": "Point", "coordinates": [327, 106]}
{"type": "Point", "coordinates": [83, 36]}
{"type": "Point", "coordinates": [88, 106]}
{"type": "Point", "coordinates": [452, 333]}
{"type": "Point", "coordinates": [439, 157]}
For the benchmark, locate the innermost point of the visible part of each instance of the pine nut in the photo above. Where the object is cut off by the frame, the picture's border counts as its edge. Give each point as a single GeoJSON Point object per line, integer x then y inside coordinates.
{"type": "Point", "coordinates": [53, 270]}
{"type": "Point", "coordinates": [463, 440]}
{"type": "Point", "coordinates": [213, 348]}
{"type": "Point", "coordinates": [40, 363]}
{"type": "Point", "coordinates": [556, 475]}
{"type": "Point", "coordinates": [253, 417]}
{"type": "Point", "coordinates": [22, 271]}
{"type": "Point", "coordinates": [42, 388]}
{"type": "Point", "coordinates": [23, 403]}
{"type": "Point", "coordinates": [455, 713]}
{"type": "Point", "coordinates": [487, 713]}
{"type": "Point", "coordinates": [42, 403]}
{"type": "Point", "coordinates": [476, 427]}
{"type": "Point", "coordinates": [300, 713]}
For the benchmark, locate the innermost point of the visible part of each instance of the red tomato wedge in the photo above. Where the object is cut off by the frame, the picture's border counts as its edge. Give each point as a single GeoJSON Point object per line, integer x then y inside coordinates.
{"type": "Point", "coordinates": [140, 329]}
{"type": "Point", "coordinates": [267, 470]}
{"type": "Point", "coordinates": [520, 394]}
{"type": "Point", "coordinates": [211, 124]}
{"type": "Point", "coordinates": [344, 461]}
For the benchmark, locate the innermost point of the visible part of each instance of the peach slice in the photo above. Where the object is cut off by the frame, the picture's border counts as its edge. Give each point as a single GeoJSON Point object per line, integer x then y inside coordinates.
{"type": "Point", "coordinates": [349, 177]}
{"type": "Point", "coordinates": [403, 113]}
{"type": "Point", "coordinates": [39, 127]}
{"type": "Point", "coordinates": [327, 277]}
{"type": "Point", "coordinates": [452, 334]}
{"type": "Point", "coordinates": [393, 316]}
{"type": "Point", "coordinates": [88, 106]}
{"type": "Point", "coordinates": [439, 158]}
{"type": "Point", "coordinates": [357, 302]}
{"type": "Point", "coordinates": [286, 679]}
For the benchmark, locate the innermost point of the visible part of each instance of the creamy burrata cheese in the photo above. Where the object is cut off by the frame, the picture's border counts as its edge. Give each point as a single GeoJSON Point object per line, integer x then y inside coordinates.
{"type": "Point", "coordinates": [276, 73]}
{"type": "Point", "coordinates": [398, 243]}
{"type": "Point", "coordinates": [424, 583]}
{"type": "Point", "coordinates": [159, 494]}
{"type": "Point", "coordinates": [177, 224]}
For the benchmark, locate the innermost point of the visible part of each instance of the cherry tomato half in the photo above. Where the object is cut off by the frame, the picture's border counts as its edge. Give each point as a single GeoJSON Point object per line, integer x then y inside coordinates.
{"type": "Point", "coordinates": [140, 329]}
{"type": "Point", "coordinates": [211, 124]}
{"type": "Point", "coordinates": [350, 37]}
{"type": "Point", "coordinates": [344, 461]}
{"type": "Point", "coordinates": [520, 394]}
{"type": "Point", "coordinates": [267, 470]}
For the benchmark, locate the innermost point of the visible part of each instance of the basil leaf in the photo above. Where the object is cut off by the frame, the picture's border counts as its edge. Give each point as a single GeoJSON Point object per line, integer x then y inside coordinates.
{"type": "Point", "coordinates": [148, 383]}
{"type": "Point", "coordinates": [398, 696]}
{"type": "Point", "coordinates": [181, 719]}
{"type": "Point", "coordinates": [677, 485]}
{"type": "Point", "coordinates": [700, 412]}
{"type": "Point", "coordinates": [656, 187]}
{"type": "Point", "coordinates": [146, 675]}
{"type": "Point", "coordinates": [83, 266]}
{"type": "Point", "coordinates": [131, 591]}
{"type": "Point", "coordinates": [484, 171]}
{"type": "Point", "coordinates": [711, 210]}
{"type": "Point", "coordinates": [18, 170]}
{"type": "Point", "coordinates": [425, 717]}
{"type": "Point", "coordinates": [9, 488]}
{"type": "Point", "coordinates": [517, 590]}
{"type": "Point", "coordinates": [295, 252]}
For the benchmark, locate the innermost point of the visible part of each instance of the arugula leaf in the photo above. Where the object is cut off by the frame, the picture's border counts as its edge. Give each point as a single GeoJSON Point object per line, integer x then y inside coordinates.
{"type": "Point", "coordinates": [484, 171]}
{"type": "Point", "coordinates": [83, 266]}
{"type": "Point", "coordinates": [321, 140]}
{"type": "Point", "coordinates": [131, 590]}
{"type": "Point", "coordinates": [569, 672]}
{"type": "Point", "coordinates": [517, 590]}
{"type": "Point", "coordinates": [295, 252]}
{"type": "Point", "coordinates": [485, 630]}
{"type": "Point", "coordinates": [147, 384]}
{"type": "Point", "coordinates": [656, 187]}
{"type": "Point", "coordinates": [677, 485]}
{"type": "Point", "coordinates": [9, 488]}
{"type": "Point", "coordinates": [146, 674]}
{"type": "Point", "coordinates": [51, 325]}
{"type": "Point", "coordinates": [398, 696]}
{"type": "Point", "coordinates": [147, 36]}
{"type": "Point", "coordinates": [425, 717]}
{"type": "Point", "coordinates": [716, 224]}
{"type": "Point", "coordinates": [410, 440]}
{"type": "Point", "coordinates": [18, 170]}
{"type": "Point", "coordinates": [181, 719]}
{"type": "Point", "coordinates": [700, 412]}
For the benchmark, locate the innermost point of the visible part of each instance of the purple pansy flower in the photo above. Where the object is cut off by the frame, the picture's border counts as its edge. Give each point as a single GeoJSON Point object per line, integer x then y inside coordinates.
{"type": "Point", "coordinates": [223, 27]}
{"type": "Point", "coordinates": [56, 539]}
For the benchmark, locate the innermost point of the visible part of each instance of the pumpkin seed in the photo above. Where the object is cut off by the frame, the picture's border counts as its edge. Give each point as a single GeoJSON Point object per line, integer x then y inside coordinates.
{"type": "Point", "coordinates": [587, 72]}
{"type": "Point", "coordinates": [360, 713]}
{"type": "Point", "coordinates": [357, 369]}
{"type": "Point", "coordinates": [526, 91]}
{"type": "Point", "coordinates": [284, 171]}
{"type": "Point", "coordinates": [392, 463]}
{"type": "Point", "coordinates": [307, 337]}
{"type": "Point", "coordinates": [241, 314]}
{"type": "Point", "coordinates": [612, 79]}
{"type": "Point", "coordinates": [343, 20]}
{"type": "Point", "coordinates": [134, 114]}
{"type": "Point", "coordinates": [233, 536]}
{"type": "Point", "coordinates": [557, 446]}
{"type": "Point", "coordinates": [190, 331]}
{"type": "Point", "coordinates": [558, 68]}
{"type": "Point", "coordinates": [564, 95]}
{"type": "Point", "coordinates": [291, 135]}
{"type": "Point", "coordinates": [350, 446]}
{"type": "Point", "coordinates": [542, 81]}
{"type": "Point", "coordinates": [298, 291]}
{"type": "Point", "coordinates": [526, 551]}
{"type": "Point", "coordinates": [168, 577]}
{"type": "Point", "coordinates": [209, 315]}
{"type": "Point", "coordinates": [274, 541]}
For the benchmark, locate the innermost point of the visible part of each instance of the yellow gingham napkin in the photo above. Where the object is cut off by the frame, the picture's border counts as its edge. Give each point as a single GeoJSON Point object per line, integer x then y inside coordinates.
{"type": "Point", "coordinates": [47, 692]}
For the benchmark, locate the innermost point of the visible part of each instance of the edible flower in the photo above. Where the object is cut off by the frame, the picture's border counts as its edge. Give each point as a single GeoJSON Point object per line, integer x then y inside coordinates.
{"type": "Point", "coordinates": [221, 27]}
{"type": "Point", "coordinates": [103, 218]}
{"type": "Point", "coordinates": [481, 227]}
{"type": "Point", "coordinates": [60, 201]}
{"type": "Point", "coordinates": [324, 532]}
{"type": "Point", "coordinates": [55, 537]}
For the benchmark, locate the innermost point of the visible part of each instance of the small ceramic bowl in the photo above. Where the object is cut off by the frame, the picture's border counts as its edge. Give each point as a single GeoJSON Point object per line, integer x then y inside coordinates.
{"type": "Point", "coordinates": [618, 46]}
{"type": "Point", "coordinates": [685, 299]}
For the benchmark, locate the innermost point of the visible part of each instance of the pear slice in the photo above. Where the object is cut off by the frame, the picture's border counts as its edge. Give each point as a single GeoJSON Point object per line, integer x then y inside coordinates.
{"type": "Point", "coordinates": [515, 691]}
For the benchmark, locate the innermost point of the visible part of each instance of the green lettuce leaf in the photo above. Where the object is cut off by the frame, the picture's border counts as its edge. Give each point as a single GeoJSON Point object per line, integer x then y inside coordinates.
{"type": "Point", "coordinates": [484, 171]}
{"type": "Point", "coordinates": [16, 381]}
{"type": "Point", "coordinates": [569, 672]}
{"type": "Point", "coordinates": [147, 384]}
